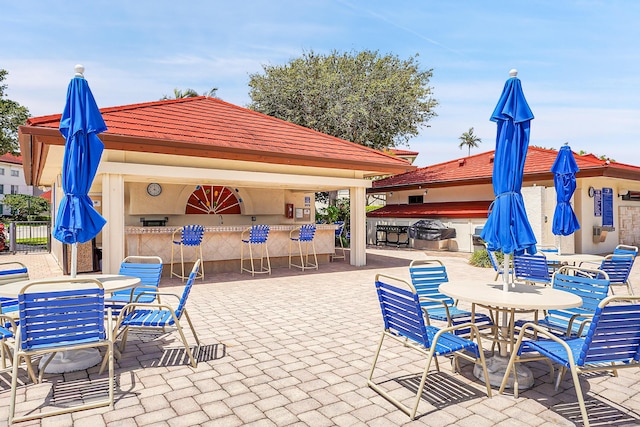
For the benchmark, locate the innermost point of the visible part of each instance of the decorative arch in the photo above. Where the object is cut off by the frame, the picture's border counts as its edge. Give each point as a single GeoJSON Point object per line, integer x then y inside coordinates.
{"type": "Point", "coordinates": [212, 199]}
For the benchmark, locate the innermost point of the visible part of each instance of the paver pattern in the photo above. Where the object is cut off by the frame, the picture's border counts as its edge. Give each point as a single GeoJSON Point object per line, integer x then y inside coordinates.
{"type": "Point", "coordinates": [295, 349]}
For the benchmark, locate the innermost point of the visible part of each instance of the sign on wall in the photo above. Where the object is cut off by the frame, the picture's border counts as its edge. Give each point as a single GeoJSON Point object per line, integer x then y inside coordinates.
{"type": "Point", "coordinates": [597, 203]}
{"type": "Point", "coordinates": [607, 207]}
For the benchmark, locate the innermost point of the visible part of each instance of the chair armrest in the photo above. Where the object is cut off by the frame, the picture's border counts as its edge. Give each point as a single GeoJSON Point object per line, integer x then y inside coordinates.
{"type": "Point", "coordinates": [435, 300]}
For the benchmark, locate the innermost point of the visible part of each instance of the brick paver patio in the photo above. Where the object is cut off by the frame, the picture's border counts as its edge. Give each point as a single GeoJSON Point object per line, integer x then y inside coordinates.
{"type": "Point", "coordinates": [295, 349]}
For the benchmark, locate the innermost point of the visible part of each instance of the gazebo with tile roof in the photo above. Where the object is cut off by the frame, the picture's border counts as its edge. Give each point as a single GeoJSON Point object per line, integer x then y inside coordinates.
{"type": "Point", "coordinates": [193, 141]}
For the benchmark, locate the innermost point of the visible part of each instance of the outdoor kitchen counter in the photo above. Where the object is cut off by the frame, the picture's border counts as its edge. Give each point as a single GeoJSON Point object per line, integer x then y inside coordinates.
{"type": "Point", "coordinates": [221, 244]}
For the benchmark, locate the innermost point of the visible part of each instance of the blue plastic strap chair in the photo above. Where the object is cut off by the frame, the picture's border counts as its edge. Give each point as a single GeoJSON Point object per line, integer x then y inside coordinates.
{"type": "Point", "coordinates": [54, 321]}
{"type": "Point", "coordinates": [157, 315]}
{"type": "Point", "coordinates": [611, 342]}
{"type": "Point", "coordinates": [303, 236]}
{"type": "Point", "coordinates": [10, 272]}
{"type": "Point", "coordinates": [498, 267]}
{"type": "Point", "coordinates": [626, 250]}
{"type": "Point", "coordinates": [149, 270]}
{"type": "Point", "coordinates": [404, 322]}
{"type": "Point", "coordinates": [618, 267]}
{"type": "Point", "coordinates": [190, 235]}
{"type": "Point", "coordinates": [338, 238]}
{"type": "Point", "coordinates": [426, 277]}
{"type": "Point", "coordinates": [6, 332]}
{"type": "Point", "coordinates": [589, 284]}
{"type": "Point", "coordinates": [252, 236]}
{"type": "Point", "coordinates": [531, 269]}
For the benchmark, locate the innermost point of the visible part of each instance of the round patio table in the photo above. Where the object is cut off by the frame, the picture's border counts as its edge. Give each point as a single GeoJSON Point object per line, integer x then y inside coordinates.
{"type": "Point", "coordinates": [520, 297]}
{"type": "Point", "coordinates": [73, 360]}
{"type": "Point", "coordinates": [572, 258]}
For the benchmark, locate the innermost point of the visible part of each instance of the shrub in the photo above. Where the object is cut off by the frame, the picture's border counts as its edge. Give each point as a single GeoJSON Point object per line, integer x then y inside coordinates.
{"type": "Point", "coordinates": [480, 258]}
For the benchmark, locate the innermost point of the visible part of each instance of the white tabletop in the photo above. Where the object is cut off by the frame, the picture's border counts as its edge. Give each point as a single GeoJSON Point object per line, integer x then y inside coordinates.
{"type": "Point", "coordinates": [520, 296]}
{"type": "Point", "coordinates": [572, 258]}
{"type": "Point", "coordinates": [110, 283]}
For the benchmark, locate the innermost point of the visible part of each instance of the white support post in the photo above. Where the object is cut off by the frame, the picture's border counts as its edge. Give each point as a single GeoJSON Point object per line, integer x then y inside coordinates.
{"type": "Point", "coordinates": [113, 235]}
{"type": "Point", "coordinates": [358, 226]}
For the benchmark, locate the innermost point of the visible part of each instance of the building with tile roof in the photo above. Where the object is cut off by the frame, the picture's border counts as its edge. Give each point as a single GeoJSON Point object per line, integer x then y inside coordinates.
{"type": "Point", "coordinates": [181, 144]}
{"type": "Point", "coordinates": [460, 192]}
{"type": "Point", "coordinates": [12, 180]}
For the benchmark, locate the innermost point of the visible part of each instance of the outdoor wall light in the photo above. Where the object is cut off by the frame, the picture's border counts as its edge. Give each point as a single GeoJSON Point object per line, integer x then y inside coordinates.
{"type": "Point", "coordinates": [390, 193]}
{"type": "Point", "coordinates": [425, 192]}
{"type": "Point", "coordinates": [622, 192]}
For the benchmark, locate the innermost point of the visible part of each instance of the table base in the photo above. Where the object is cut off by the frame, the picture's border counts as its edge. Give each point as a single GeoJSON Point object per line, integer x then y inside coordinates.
{"type": "Point", "coordinates": [72, 360]}
{"type": "Point", "coordinates": [496, 368]}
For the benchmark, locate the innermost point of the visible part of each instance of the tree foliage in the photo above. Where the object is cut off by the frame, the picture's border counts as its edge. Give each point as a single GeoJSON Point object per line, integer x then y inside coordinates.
{"type": "Point", "coordinates": [469, 139]}
{"type": "Point", "coordinates": [24, 205]}
{"type": "Point", "coordinates": [12, 115]}
{"type": "Point", "coordinates": [190, 93]}
{"type": "Point", "coordinates": [364, 97]}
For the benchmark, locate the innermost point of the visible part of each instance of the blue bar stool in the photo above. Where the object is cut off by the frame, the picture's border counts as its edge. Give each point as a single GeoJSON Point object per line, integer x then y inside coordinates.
{"type": "Point", "coordinates": [255, 235]}
{"type": "Point", "coordinates": [190, 235]}
{"type": "Point", "coordinates": [305, 235]}
{"type": "Point", "coordinates": [339, 230]}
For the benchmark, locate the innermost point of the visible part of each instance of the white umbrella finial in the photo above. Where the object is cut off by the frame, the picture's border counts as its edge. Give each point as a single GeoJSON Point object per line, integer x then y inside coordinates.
{"type": "Point", "coordinates": [513, 72]}
{"type": "Point", "coordinates": [79, 69]}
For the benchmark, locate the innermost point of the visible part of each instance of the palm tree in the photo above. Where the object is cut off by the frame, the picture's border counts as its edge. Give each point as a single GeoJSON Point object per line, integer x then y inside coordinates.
{"type": "Point", "coordinates": [469, 139]}
{"type": "Point", "coordinates": [190, 93]}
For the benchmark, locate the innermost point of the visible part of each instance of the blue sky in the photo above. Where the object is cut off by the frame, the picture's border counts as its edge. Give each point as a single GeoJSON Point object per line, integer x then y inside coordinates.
{"type": "Point", "coordinates": [578, 60]}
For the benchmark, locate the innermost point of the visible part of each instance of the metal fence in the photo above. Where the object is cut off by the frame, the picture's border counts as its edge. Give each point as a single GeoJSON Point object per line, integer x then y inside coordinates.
{"type": "Point", "coordinates": [29, 236]}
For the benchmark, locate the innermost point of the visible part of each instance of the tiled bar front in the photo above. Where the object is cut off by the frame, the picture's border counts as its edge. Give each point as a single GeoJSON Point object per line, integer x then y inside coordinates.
{"type": "Point", "coordinates": [221, 244]}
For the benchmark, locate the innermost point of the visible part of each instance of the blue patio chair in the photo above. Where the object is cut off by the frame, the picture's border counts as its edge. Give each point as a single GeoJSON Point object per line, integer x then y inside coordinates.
{"type": "Point", "coordinates": [589, 284]}
{"type": "Point", "coordinates": [626, 250]}
{"type": "Point", "coordinates": [338, 240]}
{"type": "Point", "coordinates": [149, 270]}
{"type": "Point", "coordinates": [157, 315]}
{"type": "Point", "coordinates": [498, 267]}
{"type": "Point", "coordinates": [255, 235]}
{"type": "Point", "coordinates": [531, 269]}
{"type": "Point", "coordinates": [618, 267]}
{"type": "Point", "coordinates": [7, 327]}
{"type": "Point", "coordinates": [611, 342]}
{"type": "Point", "coordinates": [426, 276]}
{"type": "Point", "coordinates": [54, 321]}
{"type": "Point", "coordinates": [550, 249]}
{"type": "Point", "coordinates": [303, 236]}
{"type": "Point", "coordinates": [404, 321]}
{"type": "Point", "coordinates": [10, 272]}
{"type": "Point", "coordinates": [190, 235]}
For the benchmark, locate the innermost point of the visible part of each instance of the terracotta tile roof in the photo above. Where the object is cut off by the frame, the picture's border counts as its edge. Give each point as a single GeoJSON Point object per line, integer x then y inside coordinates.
{"type": "Point", "coordinates": [211, 127]}
{"type": "Point", "coordinates": [479, 168]}
{"type": "Point", "coordinates": [470, 209]}
{"type": "Point", "coordinates": [10, 158]}
{"type": "Point", "coordinates": [399, 152]}
{"type": "Point", "coordinates": [46, 195]}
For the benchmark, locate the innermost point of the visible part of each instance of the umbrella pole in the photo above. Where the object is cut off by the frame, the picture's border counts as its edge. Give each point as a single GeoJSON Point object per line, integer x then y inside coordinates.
{"type": "Point", "coordinates": [74, 260]}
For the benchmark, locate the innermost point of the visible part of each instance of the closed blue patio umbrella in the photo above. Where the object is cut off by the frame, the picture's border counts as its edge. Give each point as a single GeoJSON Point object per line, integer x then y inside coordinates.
{"type": "Point", "coordinates": [77, 221]}
{"type": "Point", "coordinates": [564, 168]}
{"type": "Point", "coordinates": [507, 227]}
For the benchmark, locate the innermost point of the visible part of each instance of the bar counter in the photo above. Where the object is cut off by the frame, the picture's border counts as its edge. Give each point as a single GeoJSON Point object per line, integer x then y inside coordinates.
{"type": "Point", "coordinates": [221, 244]}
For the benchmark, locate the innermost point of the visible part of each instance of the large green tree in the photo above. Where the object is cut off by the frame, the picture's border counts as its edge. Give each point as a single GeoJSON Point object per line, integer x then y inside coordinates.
{"type": "Point", "coordinates": [24, 205]}
{"type": "Point", "coordinates": [469, 139]}
{"type": "Point", "coordinates": [364, 97]}
{"type": "Point", "coordinates": [12, 115]}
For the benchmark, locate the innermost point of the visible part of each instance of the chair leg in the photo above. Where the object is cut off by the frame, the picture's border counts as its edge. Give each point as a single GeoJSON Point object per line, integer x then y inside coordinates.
{"type": "Point", "coordinates": [193, 330]}
{"type": "Point", "coordinates": [194, 363]}
{"type": "Point", "coordinates": [578, 390]}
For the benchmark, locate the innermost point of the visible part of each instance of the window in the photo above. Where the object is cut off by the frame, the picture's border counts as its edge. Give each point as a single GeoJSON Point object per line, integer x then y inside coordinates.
{"type": "Point", "coordinates": [414, 200]}
{"type": "Point", "coordinates": [1, 209]}
{"type": "Point", "coordinates": [14, 189]}
{"type": "Point", "coordinates": [1, 188]}
{"type": "Point", "coordinates": [1, 171]}
{"type": "Point", "coordinates": [15, 173]}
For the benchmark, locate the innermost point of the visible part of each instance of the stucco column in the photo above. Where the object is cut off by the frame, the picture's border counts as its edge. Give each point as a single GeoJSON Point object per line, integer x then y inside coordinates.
{"type": "Point", "coordinates": [113, 232]}
{"type": "Point", "coordinates": [358, 225]}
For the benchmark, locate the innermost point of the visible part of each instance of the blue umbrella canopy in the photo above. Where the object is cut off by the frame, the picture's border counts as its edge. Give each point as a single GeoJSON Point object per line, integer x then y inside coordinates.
{"type": "Point", "coordinates": [77, 221]}
{"type": "Point", "coordinates": [507, 227]}
{"type": "Point", "coordinates": [564, 168]}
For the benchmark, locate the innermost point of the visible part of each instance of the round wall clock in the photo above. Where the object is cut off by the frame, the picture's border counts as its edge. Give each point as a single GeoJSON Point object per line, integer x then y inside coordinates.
{"type": "Point", "coordinates": [154, 189]}
{"type": "Point", "coordinates": [591, 191]}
